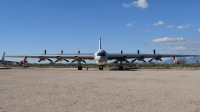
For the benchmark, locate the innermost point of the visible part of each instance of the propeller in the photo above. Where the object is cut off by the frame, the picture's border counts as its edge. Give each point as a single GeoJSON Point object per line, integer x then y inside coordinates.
{"type": "Point", "coordinates": [124, 58]}
{"type": "Point", "coordinates": [138, 52]}
{"type": "Point", "coordinates": [76, 58]}
{"type": "Point", "coordinates": [134, 60]}
{"type": "Point", "coordinates": [80, 61]}
{"type": "Point", "coordinates": [154, 52]}
{"type": "Point", "coordinates": [116, 61]}
{"type": "Point", "coordinates": [127, 61]}
{"type": "Point", "coordinates": [73, 61]}
{"type": "Point", "coordinates": [43, 58]}
{"type": "Point", "coordinates": [66, 60]}
{"type": "Point", "coordinates": [83, 61]}
{"type": "Point", "coordinates": [156, 58]}
{"type": "Point", "coordinates": [49, 60]}
{"type": "Point", "coordinates": [61, 59]}
{"type": "Point", "coordinates": [151, 60]}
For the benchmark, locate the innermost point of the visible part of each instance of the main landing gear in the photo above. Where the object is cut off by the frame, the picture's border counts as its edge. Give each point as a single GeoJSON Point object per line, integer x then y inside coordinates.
{"type": "Point", "coordinates": [79, 67]}
{"type": "Point", "coordinates": [121, 67]}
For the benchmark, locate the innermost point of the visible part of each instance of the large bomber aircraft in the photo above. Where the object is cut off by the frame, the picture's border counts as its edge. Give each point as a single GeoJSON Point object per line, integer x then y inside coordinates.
{"type": "Point", "coordinates": [100, 57]}
{"type": "Point", "coordinates": [5, 62]}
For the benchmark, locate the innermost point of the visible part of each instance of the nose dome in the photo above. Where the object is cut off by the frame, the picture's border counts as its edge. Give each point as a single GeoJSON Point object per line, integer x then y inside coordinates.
{"type": "Point", "coordinates": [101, 53]}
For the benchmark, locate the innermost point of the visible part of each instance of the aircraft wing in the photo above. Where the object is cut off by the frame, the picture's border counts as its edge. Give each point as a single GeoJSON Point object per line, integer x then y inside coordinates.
{"type": "Point", "coordinates": [131, 56]}
{"type": "Point", "coordinates": [91, 56]}
{"type": "Point", "coordinates": [67, 56]}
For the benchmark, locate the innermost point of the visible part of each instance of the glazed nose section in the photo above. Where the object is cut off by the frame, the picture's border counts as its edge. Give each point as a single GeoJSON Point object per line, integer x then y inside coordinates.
{"type": "Point", "coordinates": [101, 53]}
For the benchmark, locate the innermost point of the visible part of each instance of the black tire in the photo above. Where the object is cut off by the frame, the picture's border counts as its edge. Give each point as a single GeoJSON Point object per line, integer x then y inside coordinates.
{"type": "Point", "coordinates": [79, 67]}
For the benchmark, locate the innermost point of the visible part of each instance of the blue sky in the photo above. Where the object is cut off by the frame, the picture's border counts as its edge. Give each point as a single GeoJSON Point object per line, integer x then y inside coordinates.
{"type": "Point", "coordinates": [30, 26]}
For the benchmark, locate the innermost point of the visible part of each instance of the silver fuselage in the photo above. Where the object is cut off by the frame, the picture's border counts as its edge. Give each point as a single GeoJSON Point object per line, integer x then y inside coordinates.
{"type": "Point", "coordinates": [100, 57]}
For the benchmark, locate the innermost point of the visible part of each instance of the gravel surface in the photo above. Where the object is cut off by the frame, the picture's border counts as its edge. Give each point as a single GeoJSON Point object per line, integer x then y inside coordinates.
{"type": "Point", "coordinates": [70, 90]}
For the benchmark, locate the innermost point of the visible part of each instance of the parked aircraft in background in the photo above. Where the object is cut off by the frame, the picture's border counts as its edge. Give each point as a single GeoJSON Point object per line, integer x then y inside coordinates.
{"type": "Point", "coordinates": [100, 57]}
{"type": "Point", "coordinates": [5, 62]}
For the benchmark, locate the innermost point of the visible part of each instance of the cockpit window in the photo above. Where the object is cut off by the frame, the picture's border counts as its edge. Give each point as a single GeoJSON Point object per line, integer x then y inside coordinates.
{"type": "Point", "coordinates": [101, 54]}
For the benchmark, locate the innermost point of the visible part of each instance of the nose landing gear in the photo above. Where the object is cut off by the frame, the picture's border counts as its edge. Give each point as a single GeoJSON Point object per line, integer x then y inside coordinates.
{"type": "Point", "coordinates": [100, 67]}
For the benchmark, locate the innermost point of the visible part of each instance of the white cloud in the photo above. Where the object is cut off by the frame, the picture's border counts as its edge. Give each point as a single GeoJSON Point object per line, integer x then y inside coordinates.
{"type": "Point", "coordinates": [146, 30]}
{"type": "Point", "coordinates": [177, 45]}
{"type": "Point", "coordinates": [199, 30]}
{"type": "Point", "coordinates": [127, 5]}
{"type": "Point", "coordinates": [130, 24]}
{"type": "Point", "coordinates": [179, 48]}
{"type": "Point", "coordinates": [158, 23]}
{"type": "Point", "coordinates": [167, 39]}
{"type": "Point", "coordinates": [184, 26]}
{"type": "Point", "coordinates": [140, 3]}
{"type": "Point", "coordinates": [170, 26]}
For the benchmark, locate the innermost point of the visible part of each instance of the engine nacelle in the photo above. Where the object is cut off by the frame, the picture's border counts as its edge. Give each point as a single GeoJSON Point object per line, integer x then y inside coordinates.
{"type": "Point", "coordinates": [42, 58]}
{"type": "Point", "coordinates": [140, 58]}
{"type": "Point", "coordinates": [59, 58]}
{"type": "Point", "coordinates": [157, 58]}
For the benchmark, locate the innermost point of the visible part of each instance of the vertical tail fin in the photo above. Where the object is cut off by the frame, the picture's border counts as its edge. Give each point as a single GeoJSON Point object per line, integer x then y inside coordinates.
{"type": "Point", "coordinates": [100, 43]}
{"type": "Point", "coordinates": [3, 57]}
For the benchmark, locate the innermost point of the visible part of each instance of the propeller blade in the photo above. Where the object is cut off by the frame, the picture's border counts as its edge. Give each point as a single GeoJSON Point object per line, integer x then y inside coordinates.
{"type": "Point", "coordinates": [121, 51]}
{"type": "Point", "coordinates": [49, 60]}
{"type": "Point", "coordinates": [134, 60]}
{"type": "Point", "coordinates": [56, 61]}
{"type": "Point", "coordinates": [116, 61]}
{"type": "Point", "coordinates": [138, 51]}
{"type": "Point", "coordinates": [143, 60]}
{"type": "Point", "coordinates": [66, 60]}
{"type": "Point", "coordinates": [61, 51]}
{"type": "Point", "coordinates": [83, 61]}
{"type": "Point", "coordinates": [39, 60]}
{"type": "Point", "coordinates": [73, 61]}
{"type": "Point", "coordinates": [45, 51]}
{"type": "Point", "coordinates": [154, 51]}
{"type": "Point", "coordinates": [127, 61]}
{"type": "Point", "coordinates": [150, 60]}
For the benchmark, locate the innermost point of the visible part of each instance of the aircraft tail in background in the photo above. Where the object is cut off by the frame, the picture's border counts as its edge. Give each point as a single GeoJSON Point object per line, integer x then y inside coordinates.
{"type": "Point", "coordinates": [3, 57]}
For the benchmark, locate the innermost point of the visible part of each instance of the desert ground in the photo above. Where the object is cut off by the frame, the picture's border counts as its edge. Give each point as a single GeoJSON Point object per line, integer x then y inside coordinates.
{"type": "Point", "coordinates": [70, 90]}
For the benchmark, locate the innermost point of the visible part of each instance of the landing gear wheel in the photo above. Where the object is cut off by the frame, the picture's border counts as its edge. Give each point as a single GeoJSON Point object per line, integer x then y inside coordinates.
{"type": "Point", "coordinates": [79, 67]}
{"type": "Point", "coordinates": [121, 68]}
{"type": "Point", "coordinates": [100, 67]}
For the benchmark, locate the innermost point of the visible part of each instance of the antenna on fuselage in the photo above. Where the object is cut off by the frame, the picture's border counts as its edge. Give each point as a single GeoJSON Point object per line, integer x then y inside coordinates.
{"type": "Point", "coordinates": [100, 43]}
